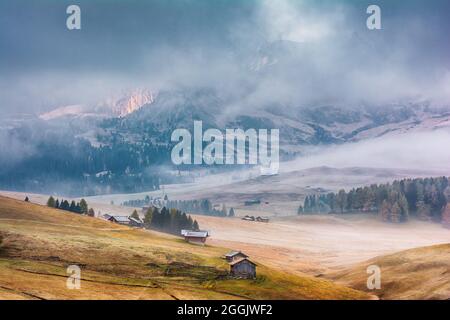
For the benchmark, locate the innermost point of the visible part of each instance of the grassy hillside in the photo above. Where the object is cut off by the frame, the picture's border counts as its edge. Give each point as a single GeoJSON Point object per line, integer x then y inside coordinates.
{"type": "Point", "coordinates": [421, 273]}
{"type": "Point", "coordinates": [118, 262]}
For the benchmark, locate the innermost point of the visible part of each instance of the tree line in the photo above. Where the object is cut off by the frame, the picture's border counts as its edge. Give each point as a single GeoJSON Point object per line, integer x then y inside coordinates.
{"type": "Point", "coordinates": [203, 206]}
{"type": "Point", "coordinates": [424, 198]}
{"type": "Point", "coordinates": [169, 220]}
{"type": "Point", "coordinates": [75, 207]}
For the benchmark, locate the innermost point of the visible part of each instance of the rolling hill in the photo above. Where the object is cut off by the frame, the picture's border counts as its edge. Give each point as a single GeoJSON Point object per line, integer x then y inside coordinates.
{"type": "Point", "coordinates": [420, 273]}
{"type": "Point", "coordinates": [119, 262]}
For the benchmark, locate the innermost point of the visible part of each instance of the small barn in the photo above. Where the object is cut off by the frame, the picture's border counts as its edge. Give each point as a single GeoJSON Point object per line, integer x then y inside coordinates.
{"type": "Point", "coordinates": [195, 237]}
{"type": "Point", "coordinates": [243, 269]}
{"type": "Point", "coordinates": [120, 220]}
{"type": "Point", "coordinates": [262, 219]}
{"type": "Point", "coordinates": [235, 255]}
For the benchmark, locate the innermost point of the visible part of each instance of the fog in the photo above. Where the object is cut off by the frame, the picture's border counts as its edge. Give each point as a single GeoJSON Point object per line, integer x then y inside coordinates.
{"type": "Point", "coordinates": [420, 151]}
{"type": "Point", "coordinates": [293, 53]}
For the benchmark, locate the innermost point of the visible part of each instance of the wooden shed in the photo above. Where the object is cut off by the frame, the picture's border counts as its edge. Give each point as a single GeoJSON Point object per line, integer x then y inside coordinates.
{"type": "Point", "coordinates": [120, 220]}
{"type": "Point", "coordinates": [195, 237]}
{"type": "Point", "coordinates": [243, 269]}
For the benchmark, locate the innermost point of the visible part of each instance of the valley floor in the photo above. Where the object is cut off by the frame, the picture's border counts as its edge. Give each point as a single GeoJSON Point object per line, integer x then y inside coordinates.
{"type": "Point", "coordinates": [318, 247]}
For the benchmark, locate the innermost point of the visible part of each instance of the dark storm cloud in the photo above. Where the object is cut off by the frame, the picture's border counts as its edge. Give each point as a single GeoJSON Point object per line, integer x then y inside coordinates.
{"type": "Point", "coordinates": [328, 54]}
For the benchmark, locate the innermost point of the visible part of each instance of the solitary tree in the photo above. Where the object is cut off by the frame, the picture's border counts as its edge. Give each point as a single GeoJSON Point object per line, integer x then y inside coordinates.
{"type": "Point", "coordinates": [50, 202]}
{"type": "Point", "coordinates": [231, 214]}
{"type": "Point", "coordinates": [91, 212]}
{"type": "Point", "coordinates": [26, 199]}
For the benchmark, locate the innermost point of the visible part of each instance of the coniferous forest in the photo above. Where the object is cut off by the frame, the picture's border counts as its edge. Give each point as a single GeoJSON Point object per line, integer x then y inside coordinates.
{"type": "Point", "coordinates": [424, 198]}
{"type": "Point", "coordinates": [169, 220]}
{"type": "Point", "coordinates": [75, 207]}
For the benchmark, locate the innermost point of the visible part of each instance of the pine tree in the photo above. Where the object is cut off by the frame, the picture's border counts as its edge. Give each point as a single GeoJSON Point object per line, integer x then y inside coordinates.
{"type": "Point", "coordinates": [83, 207]}
{"type": "Point", "coordinates": [73, 206]}
{"type": "Point", "coordinates": [404, 208]}
{"type": "Point", "coordinates": [300, 210]}
{"type": "Point", "coordinates": [423, 211]}
{"type": "Point", "coordinates": [446, 216]}
{"type": "Point", "coordinates": [135, 215]}
{"type": "Point", "coordinates": [26, 199]}
{"type": "Point", "coordinates": [148, 217]}
{"type": "Point", "coordinates": [195, 226]}
{"type": "Point", "coordinates": [231, 214]}
{"type": "Point", "coordinates": [385, 211]}
{"type": "Point", "coordinates": [51, 202]}
{"type": "Point", "coordinates": [91, 212]}
{"type": "Point", "coordinates": [224, 211]}
{"type": "Point", "coordinates": [65, 205]}
{"type": "Point", "coordinates": [396, 213]}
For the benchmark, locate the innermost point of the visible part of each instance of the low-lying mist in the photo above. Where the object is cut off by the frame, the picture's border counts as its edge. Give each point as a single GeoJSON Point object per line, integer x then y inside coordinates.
{"type": "Point", "coordinates": [422, 151]}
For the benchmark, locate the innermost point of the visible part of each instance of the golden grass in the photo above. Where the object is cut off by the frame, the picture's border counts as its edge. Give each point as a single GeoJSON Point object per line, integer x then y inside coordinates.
{"type": "Point", "coordinates": [119, 262]}
{"type": "Point", "coordinates": [420, 273]}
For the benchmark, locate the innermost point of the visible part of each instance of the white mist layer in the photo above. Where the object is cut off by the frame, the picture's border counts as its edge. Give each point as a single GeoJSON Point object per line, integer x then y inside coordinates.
{"type": "Point", "coordinates": [424, 151]}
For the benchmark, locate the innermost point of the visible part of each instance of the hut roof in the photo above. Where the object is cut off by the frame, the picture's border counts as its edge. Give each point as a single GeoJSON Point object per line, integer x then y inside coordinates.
{"type": "Point", "coordinates": [120, 218]}
{"type": "Point", "coordinates": [195, 234]}
{"type": "Point", "coordinates": [135, 220]}
{"type": "Point", "coordinates": [242, 260]}
{"type": "Point", "coordinates": [234, 253]}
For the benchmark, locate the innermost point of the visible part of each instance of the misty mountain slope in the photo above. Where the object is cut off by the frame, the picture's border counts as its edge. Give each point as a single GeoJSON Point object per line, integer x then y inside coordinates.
{"type": "Point", "coordinates": [97, 151]}
{"type": "Point", "coordinates": [299, 126]}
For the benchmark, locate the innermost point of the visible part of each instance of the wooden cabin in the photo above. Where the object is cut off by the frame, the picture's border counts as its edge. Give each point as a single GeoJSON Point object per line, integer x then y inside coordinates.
{"type": "Point", "coordinates": [195, 237]}
{"type": "Point", "coordinates": [235, 255]}
{"type": "Point", "coordinates": [243, 269]}
{"type": "Point", "coordinates": [120, 220]}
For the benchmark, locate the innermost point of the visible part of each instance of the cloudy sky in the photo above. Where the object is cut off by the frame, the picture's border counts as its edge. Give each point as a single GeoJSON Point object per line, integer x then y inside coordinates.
{"type": "Point", "coordinates": [296, 52]}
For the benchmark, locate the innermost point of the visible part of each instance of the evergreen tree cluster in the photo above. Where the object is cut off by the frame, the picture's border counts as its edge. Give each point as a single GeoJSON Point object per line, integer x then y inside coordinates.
{"type": "Point", "coordinates": [75, 207]}
{"type": "Point", "coordinates": [79, 168]}
{"type": "Point", "coordinates": [138, 202]}
{"type": "Point", "coordinates": [169, 220]}
{"type": "Point", "coordinates": [424, 198]}
{"type": "Point", "coordinates": [203, 206]}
